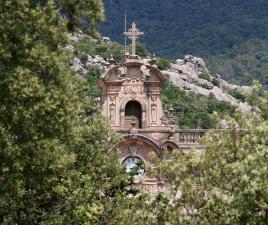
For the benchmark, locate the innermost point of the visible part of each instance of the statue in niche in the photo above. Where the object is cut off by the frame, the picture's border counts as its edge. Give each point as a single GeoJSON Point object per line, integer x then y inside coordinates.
{"type": "Point", "coordinates": [153, 109]}
{"type": "Point", "coordinates": [112, 108]}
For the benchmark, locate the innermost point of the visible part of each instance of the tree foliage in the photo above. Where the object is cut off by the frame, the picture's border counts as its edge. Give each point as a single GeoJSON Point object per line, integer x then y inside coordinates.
{"type": "Point", "coordinates": [57, 162]}
{"type": "Point", "coordinates": [83, 14]}
{"type": "Point", "coordinates": [191, 109]}
{"type": "Point", "coordinates": [231, 35]}
{"type": "Point", "coordinates": [226, 184]}
{"type": "Point", "coordinates": [101, 48]}
{"type": "Point", "coordinates": [163, 64]}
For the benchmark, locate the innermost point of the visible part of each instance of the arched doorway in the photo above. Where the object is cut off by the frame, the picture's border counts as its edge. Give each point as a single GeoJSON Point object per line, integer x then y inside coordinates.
{"type": "Point", "coordinates": [133, 112]}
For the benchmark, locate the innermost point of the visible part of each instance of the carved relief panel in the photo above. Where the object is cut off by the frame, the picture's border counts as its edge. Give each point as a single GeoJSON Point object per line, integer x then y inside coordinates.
{"type": "Point", "coordinates": [133, 87]}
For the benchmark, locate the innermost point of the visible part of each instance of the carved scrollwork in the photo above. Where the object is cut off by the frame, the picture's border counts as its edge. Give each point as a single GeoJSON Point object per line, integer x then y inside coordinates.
{"type": "Point", "coordinates": [169, 120]}
{"type": "Point", "coordinates": [133, 87]}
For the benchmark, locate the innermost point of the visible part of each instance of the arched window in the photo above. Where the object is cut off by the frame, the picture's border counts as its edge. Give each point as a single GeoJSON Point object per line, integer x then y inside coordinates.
{"type": "Point", "coordinates": [133, 108]}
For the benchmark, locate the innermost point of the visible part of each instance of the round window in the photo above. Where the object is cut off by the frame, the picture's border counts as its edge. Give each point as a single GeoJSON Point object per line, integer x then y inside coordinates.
{"type": "Point", "coordinates": [134, 165]}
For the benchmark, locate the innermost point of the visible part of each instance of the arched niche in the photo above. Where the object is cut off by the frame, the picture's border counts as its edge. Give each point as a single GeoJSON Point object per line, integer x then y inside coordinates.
{"type": "Point", "coordinates": [128, 103]}
{"type": "Point", "coordinates": [133, 113]}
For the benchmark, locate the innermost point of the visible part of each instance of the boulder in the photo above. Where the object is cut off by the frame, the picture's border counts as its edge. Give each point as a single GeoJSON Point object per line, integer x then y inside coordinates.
{"type": "Point", "coordinates": [189, 68]}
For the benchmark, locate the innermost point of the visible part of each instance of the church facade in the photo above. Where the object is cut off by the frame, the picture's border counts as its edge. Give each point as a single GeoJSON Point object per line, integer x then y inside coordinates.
{"type": "Point", "coordinates": [130, 99]}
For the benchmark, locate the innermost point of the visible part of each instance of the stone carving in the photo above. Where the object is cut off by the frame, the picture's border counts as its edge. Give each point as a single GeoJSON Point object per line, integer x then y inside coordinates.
{"type": "Point", "coordinates": [133, 34]}
{"type": "Point", "coordinates": [113, 89]}
{"type": "Point", "coordinates": [168, 120]}
{"type": "Point", "coordinates": [112, 109]}
{"type": "Point", "coordinates": [145, 71]}
{"type": "Point", "coordinates": [133, 150]}
{"type": "Point", "coordinates": [133, 87]}
{"type": "Point", "coordinates": [153, 109]}
{"type": "Point", "coordinates": [156, 136]}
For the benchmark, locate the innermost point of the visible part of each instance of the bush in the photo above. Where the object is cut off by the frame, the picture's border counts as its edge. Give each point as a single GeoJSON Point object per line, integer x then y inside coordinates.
{"type": "Point", "coordinates": [163, 64]}
{"type": "Point", "coordinates": [220, 106]}
{"type": "Point", "coordinates": [189, 108]}
{"type": "Point", "coordinates": [100, 48]}
{"type": "Point", "coordinates": [84, 58]}
{"type": "Point", "coordinates": [205, 76]}
{"type": "Point", "coordinates": [142, 50]}
{"type": "Point", "coordinates": [92, 77]}
{"type": "Point", "coordinates": [215, 82]}
{"type": "Point", "coordinates": [238, 95]}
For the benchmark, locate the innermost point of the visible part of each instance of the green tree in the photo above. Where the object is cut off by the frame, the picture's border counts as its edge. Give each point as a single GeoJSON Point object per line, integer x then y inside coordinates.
{"type": "Point", "coordinates": [226, 184]}
{"type": "Point", "coordinates": [86, 14]}
{"type": "Point", "coordinates": [57, 163]}
{"type": "Point", "coordinates": [163, 64]}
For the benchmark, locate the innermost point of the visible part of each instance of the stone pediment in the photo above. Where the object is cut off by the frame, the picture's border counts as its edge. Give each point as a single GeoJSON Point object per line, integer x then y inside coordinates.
{"type": "Point", "coordinates": [135, 69]}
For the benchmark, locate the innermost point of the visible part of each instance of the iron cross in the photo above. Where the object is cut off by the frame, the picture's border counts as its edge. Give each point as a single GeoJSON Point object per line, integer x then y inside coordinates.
{"type": "Point", "coordinates": [133, 34]}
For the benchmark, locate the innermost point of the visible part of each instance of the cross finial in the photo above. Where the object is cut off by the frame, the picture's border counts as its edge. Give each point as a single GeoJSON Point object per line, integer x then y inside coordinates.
{"type": "Point", "coordinates": [133, 34]}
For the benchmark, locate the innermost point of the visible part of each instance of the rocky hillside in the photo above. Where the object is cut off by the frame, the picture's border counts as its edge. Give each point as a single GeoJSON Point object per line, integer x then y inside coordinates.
{"type": "Point", "coordinates": [192, 75]}
{"type": "Point", "coordinates": [193, 92]}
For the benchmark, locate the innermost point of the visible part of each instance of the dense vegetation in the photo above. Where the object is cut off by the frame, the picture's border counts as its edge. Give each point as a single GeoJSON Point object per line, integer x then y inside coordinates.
{"type": "Point", "coordinates": [231, 35]}
{"type": "Point", "coordinates": [103, 49]}
{"type": "Point", "coordinates": [55, 165]}
{"type": "Point", "coordinates": [58, 158]}
{"type": "Point", "coordinates": [193, 110]}
{"type": "Point", "coordinates": [228, 183]}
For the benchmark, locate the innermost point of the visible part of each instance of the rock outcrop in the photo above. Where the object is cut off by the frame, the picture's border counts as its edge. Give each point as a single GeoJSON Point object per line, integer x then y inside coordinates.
{"type": "Point", "coordinates": [83, 67]}
{"type": "Point", "coordinates": [187, 74]}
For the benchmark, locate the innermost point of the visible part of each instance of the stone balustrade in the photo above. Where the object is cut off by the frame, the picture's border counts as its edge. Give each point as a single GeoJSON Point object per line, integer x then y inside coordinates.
{"type": "Point", "coordinates": [180, 136]}
{"type": "Point", "coordinates": [190, 136]}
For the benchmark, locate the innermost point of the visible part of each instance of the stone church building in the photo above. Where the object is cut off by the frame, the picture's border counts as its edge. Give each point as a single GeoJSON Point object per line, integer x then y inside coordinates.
{"type": "Point", "coordinates": [130, 98]}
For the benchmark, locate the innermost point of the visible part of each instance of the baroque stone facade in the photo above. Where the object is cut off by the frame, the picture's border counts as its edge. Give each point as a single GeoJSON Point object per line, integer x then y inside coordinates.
{"type": "Point", "coordinates": [131, 101]}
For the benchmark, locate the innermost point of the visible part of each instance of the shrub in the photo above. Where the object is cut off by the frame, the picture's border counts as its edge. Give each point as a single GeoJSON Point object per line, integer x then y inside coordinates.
{"type": "Point", "coordinates": [215, 82]}
{"type": "Point", "coordinates": [238, 95]}
{"type": "Point", "coordinates": [205, 76]}
{"type": "Point", "coordinates": [189, 108]}
{"type": "Point", "coordinates": [84, 58]}
{"type": "Point", "coordinates": [163, 64]}
{"type": "Point", "coordinates": [92, 77]}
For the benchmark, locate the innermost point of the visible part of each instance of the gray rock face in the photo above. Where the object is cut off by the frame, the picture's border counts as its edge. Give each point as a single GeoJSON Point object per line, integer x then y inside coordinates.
{"type": "Point", "coordinates": [185, 75]}
{"type": "Point", "coordinates": [189, 68]}
{"type": "Point", "coordinates": [78, 66]}
{"type": "Point", "coordinates": [83, 67]}
{"type": "Point", "coordinates": [75, 37]}
{"type": "Point", "coordinates": [243, 89]}
{"type": "Point", "coordinates": [216, 91]}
